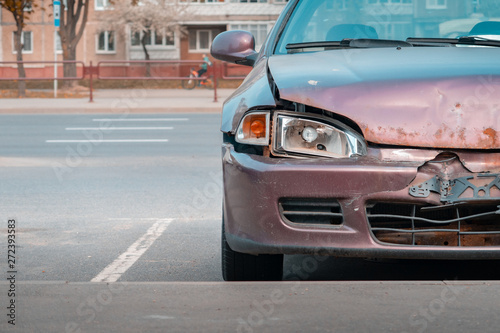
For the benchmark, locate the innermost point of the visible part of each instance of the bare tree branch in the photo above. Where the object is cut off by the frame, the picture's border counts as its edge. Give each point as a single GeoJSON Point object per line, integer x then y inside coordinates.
{"type": "Point", "coordinates": [143, 16]}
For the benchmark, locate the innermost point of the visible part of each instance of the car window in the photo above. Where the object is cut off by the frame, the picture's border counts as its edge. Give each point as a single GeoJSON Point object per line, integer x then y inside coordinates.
{"type": "Point", "coordinates": [333, 20]}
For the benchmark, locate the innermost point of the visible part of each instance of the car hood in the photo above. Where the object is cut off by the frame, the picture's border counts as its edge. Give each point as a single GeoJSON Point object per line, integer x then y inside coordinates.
{"type": "Point", "coordinates": [440, 97]}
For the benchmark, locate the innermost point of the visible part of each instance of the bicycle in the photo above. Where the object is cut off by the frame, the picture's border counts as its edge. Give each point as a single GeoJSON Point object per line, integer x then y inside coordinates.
{"type": "Point", "coordinates": [192, 82]}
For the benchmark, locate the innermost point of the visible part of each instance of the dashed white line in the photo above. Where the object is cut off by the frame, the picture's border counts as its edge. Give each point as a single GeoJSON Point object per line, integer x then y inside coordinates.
{"type": "Point", "coordinates": [140, 218]}
{"type": "Point", "coordinates": [117, 128]}
{"type": "Point", "coordinates": [140, 119]}
{"type": "Point", "coordinates": [99, 141]}
{"type": "Point", "coordinates": [116, 269]}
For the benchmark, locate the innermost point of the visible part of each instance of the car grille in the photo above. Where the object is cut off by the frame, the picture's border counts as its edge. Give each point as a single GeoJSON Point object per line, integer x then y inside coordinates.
{"type": "Point", "coordinates": [311, 211]}
{"type": "Point", "coordinates": [461, 224]}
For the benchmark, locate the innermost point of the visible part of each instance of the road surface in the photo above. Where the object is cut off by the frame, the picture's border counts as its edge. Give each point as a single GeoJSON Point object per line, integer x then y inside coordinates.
{"type": "Point", "coordinates": [121, 214]}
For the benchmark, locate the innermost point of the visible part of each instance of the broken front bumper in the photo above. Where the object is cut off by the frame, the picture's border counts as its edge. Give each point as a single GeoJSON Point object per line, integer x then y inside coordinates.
{"type": "Point", "coordinates": [362, 207]}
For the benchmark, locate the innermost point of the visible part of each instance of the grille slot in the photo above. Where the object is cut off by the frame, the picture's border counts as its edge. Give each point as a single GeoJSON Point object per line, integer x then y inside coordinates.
{"type": "Point", "coordinates": [461, 224]}
{"type": "Point", "coordinates": [311, 211]}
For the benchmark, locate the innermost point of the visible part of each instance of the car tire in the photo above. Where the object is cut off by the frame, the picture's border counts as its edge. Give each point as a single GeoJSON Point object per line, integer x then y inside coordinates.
{"type": "Point", "coordinates": [237, 266]}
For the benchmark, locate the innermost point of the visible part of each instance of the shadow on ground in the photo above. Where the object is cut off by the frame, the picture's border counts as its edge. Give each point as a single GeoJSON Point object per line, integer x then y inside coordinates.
{"type": "Point", "coordinates": [334, 269]}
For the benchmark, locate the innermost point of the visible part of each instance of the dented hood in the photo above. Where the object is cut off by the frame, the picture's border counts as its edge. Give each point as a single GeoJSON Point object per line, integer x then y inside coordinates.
{"type": "Point", "coordinates": [440, 97]}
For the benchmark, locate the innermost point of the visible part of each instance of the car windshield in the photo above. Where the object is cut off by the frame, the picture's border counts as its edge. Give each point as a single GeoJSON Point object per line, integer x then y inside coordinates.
{"type": "Point", "coordinates": [320, 21]}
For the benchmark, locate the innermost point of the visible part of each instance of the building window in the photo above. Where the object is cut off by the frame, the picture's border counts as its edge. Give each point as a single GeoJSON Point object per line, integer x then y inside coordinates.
{"type": "Point", "coordinates": [102, 4]}
{"type": "Point", "coordinates": [338, 4]}
{"type": "Point", "coordinates": [259, 32]}
{"type": "Point", "coordinates": [203, 1]}
{"type": "Point", "coordinates": [200, 40]}
{"type": "Point", "coordinates": [280, 1]}
{"type": "Point", "coordinates": [135, 38]}
{"type": "Point", "coordinates": [153, 38]}
{"type": "Point", "coordinates": [393, 30]}
{"type": "Point", "coordinates": [57, 42]}
{"type": "Point", "coordinates": [248, 1]}
{"type": "Point", "coordinates": [26, 40]}
{"type": "Point", "coordinates": [391, 1]}
{"type": "Point", "coordinates": [106, 42]}
{"type": "Point", "coordinates": [436, 4]}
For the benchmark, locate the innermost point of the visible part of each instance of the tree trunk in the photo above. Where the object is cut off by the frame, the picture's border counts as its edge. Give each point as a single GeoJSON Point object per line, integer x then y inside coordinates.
{"type": "Point", "coordinates": [145, 36]}
{"type": "Point", "coordinates": [69, 70]}
{"type": "Point", "coordinates": [71, 33]}
{"type": "Point", "coordinates": [21, 86]}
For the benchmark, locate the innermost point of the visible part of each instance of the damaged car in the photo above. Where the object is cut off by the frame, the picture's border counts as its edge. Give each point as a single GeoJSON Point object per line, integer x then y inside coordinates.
{"type": "Point", "coordinates": [362, 132]}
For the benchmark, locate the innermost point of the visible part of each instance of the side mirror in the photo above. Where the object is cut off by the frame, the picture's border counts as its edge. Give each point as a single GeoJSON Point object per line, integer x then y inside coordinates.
{"type": "Point", "coordinates": [235, 46]}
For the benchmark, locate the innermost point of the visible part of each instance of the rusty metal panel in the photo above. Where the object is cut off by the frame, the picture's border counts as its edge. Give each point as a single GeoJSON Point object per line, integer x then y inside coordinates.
{"type": "Point", "coordinates": [405, 98]}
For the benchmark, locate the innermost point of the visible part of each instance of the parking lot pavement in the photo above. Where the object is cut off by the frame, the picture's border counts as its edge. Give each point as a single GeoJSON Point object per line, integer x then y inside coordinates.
{"type": "Point", "coordinates": [123, 100]}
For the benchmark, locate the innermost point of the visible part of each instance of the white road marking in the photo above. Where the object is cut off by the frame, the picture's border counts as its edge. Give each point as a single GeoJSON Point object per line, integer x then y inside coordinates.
{"type": "Point", "coordinates": [115, 270]}
{"type": "Point", "coordinates": [141, 119]}
{"type": "Point", "coordinates": [117, 128]}
{"type": "Point", "coordinates": [99, 141]}
{"type": "Point", "coordinates": [158, 317]}
{"type": "Point", "coordinates": [141, 218]}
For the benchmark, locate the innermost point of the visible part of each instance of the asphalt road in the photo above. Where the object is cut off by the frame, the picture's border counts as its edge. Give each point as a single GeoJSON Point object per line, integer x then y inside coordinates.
{"type": "Point", "coordinates": [79, 205]}
{"type": "Point", "coordinates": [136, 199]}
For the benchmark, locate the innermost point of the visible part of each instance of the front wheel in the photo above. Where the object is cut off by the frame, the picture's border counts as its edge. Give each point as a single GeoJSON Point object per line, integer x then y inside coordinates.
{"type": "Point", "coordinates": [237, 266]}
{"type": "Point", "coordinates": [189, 84]}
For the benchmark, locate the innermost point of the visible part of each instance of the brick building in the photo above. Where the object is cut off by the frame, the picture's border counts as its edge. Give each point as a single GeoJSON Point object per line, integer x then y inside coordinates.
{"type": "Point", "coordinates": [209, 17]}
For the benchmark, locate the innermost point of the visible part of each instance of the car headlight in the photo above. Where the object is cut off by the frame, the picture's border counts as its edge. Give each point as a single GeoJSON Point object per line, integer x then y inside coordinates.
{"type": "Point", "coordinates": [254, 129]}
{"type": "Point", "coordinates": [310, 135]}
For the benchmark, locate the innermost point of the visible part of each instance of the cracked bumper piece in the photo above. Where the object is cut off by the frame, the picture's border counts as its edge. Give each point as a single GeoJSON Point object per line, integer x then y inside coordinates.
{"type": "Point", "coordinates": [359, 207]}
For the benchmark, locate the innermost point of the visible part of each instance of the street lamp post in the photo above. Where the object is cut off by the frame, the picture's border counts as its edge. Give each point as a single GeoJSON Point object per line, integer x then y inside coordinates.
{"type": "Point", "coordinates": [57, 16]}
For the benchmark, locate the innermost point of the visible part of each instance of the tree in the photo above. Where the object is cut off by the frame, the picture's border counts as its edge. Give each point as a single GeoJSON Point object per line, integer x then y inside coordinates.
{"type": "Point", "coordinates": [74, 14]}
{"type": "Point", "coordinates": [21, 11]}
{"type": "Point", "coordinates": [145, 17]}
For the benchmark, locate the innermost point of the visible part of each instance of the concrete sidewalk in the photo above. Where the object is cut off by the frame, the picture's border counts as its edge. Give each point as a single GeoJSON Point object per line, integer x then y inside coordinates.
{"type": "Point", "coordinates": [123, 100]}
{"type": "Point", "coordinates": [279, 307]}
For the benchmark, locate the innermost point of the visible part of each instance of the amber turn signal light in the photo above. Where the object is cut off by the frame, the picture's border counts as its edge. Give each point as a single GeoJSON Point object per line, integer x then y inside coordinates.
{"type": "Point", "coordinates": [254, 129]}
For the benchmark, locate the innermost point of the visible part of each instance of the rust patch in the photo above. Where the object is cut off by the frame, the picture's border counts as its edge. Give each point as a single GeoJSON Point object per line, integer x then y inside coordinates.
{"type": "Point", "coordinates": [403, 134]}
{"type": "Point", "coordinates": [439, 134]}
{"type": "Point", "coordinates": [492, 135]}
{"type": "Point", "coordinates": [456, 107]}
{"type": "Point", "coordinates": [461, 134]}
{"type": "Point", "coordinates": [439, 138]}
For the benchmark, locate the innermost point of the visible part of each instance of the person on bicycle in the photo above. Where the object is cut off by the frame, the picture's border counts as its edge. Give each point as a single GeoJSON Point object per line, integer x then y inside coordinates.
{"type": "Point", "coordinates": [204, 66]}
{"type": "Point", "coordinates": [190, 83]}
